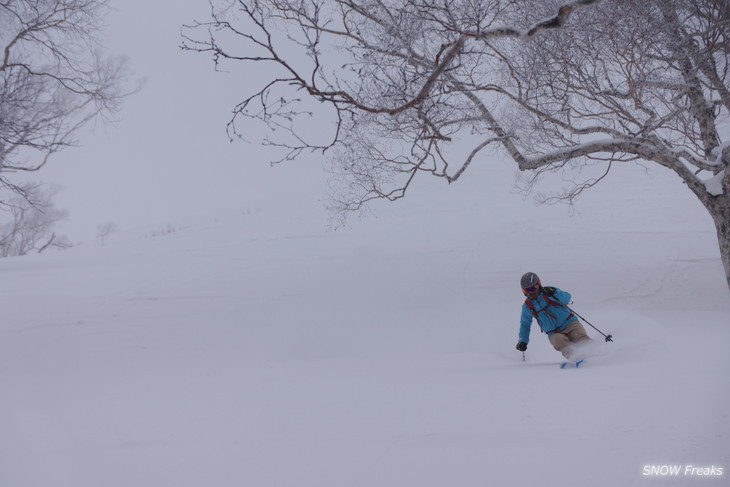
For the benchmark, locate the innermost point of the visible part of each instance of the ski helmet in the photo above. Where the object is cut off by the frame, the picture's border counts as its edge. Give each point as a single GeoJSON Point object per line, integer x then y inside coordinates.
{"type": "Point", "coordinates": [530, 279]}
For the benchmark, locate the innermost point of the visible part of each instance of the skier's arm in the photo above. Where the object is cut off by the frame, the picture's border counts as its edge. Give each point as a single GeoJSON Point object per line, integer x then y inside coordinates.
{"type": "Point", "coordinates": [561, 296]}
{"type": "Point", "coordinates": [525, 324]}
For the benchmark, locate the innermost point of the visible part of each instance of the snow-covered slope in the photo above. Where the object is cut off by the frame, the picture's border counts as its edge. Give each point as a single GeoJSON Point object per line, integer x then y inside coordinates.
{"type": "Point", "coordinates": [256, 348]}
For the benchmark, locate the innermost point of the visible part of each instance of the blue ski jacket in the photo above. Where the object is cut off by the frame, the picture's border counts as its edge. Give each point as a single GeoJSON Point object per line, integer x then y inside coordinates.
{"type": "Point", "coordinates": [550, 317]}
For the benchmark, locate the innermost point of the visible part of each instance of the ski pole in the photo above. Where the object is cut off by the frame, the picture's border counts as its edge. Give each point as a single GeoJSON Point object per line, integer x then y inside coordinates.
{"type": "Point", "coordinates": [608, 337]}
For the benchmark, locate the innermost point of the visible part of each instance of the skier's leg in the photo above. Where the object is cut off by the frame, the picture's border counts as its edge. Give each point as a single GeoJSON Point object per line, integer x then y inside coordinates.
{"type": "Point", "coordinates": [561, 343]}
{"type": "Point", "coordinates": [576, 332]}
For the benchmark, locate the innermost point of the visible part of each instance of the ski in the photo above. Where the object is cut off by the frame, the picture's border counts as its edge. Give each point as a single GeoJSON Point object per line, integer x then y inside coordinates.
{"type": "Point", "coordinates": [572, 364]}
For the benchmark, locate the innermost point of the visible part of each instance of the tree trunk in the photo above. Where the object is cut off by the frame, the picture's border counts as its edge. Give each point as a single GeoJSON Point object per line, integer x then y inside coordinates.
{"type": "Point", "coordinates": [722, 222]}
{"type": "Point", "coordinates": [719, 208]}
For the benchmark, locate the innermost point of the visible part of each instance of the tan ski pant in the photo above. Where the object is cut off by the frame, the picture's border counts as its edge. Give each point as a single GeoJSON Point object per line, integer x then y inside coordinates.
{"type": "Point", "coordinates": [573, 333]}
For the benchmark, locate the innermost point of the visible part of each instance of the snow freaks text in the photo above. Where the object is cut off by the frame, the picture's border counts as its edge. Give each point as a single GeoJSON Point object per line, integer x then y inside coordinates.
{"type": "Point", "coordinates": [682, 471]}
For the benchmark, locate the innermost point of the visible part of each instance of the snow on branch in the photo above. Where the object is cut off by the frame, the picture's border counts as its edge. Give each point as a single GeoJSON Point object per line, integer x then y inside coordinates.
{"type": "Point", "coordinates": [555, 22]}
{"type": "Point", "coordinates": [714, 184]}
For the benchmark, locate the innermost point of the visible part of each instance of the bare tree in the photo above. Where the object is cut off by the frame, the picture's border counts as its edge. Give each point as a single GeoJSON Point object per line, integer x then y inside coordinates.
{"type": "Point", "coordinates": [32, 216]}
{"type": "Point", "coordinates": [407, 82]}
{"type": "Point", "coordinates": [54, 78]}
{"type": "Point", "coordinates": [104, 230]}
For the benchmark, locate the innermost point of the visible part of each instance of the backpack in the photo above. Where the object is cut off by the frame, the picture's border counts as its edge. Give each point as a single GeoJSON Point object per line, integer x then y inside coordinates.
{"type": "Point", "coordinates": [546, 309]}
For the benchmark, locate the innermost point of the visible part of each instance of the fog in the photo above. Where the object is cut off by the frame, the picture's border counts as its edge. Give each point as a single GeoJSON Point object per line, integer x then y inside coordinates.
{"type": "Point", "coordinates": [167, 156]}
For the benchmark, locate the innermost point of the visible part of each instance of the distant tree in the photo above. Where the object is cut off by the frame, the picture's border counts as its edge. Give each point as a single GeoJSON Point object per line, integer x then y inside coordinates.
{"type": "Point", "coordinates": [31, 218]}
{"type": "Point", "coordinates": [104, 230]}
{"type": "Point", "coordinates": [407, 83]}
{"type": "Point", "coordinates": [54, 78]}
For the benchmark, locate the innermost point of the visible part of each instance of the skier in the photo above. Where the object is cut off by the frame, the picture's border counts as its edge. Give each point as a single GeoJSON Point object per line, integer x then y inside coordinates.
{"type": "Point", "coordinates": [548, 305]}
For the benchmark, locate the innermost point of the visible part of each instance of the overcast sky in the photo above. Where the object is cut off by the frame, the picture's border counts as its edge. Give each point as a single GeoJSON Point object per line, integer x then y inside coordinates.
{"type": "Point", "coordinates": [169, 156]}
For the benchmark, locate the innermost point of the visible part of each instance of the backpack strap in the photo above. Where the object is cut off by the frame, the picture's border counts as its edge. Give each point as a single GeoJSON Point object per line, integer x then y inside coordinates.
{"type": "Point", "coordinates": [546, 309]}
{"type": "Point", "coordinates": [557, 303]}
{"type": "Point", "coordinates": [551, 302]}
{"type": "Point", "coordinates": [534, 312]}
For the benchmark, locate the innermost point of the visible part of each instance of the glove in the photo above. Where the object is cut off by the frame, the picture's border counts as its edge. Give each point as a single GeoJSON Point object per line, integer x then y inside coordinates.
{"type": "Point", "coordinates": [522, 346]}
{"type": "Point", "coordinates": [548, 291]}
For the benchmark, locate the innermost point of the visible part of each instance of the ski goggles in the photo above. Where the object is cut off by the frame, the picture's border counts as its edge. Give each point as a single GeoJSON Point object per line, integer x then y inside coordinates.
{"type": "Point", "coordinates": [531, 289]}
